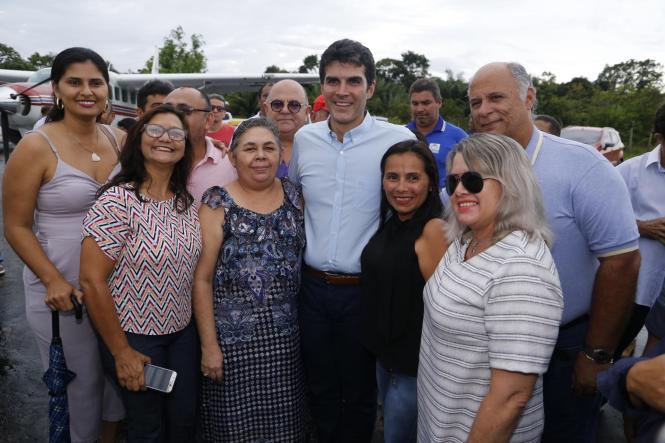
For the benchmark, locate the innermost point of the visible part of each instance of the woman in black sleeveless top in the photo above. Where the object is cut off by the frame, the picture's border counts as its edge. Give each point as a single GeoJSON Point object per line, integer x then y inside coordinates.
{"type": "Point", "coordinates": [396, 262]}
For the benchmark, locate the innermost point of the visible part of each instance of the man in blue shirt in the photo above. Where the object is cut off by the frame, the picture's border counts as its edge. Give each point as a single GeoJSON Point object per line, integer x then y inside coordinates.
{"type": "Point", "coordinates": [337, 162]}
{"type": "Point", "coordinates": [442, 136]}
{"type": "Point", "coordinates": [595, 247]}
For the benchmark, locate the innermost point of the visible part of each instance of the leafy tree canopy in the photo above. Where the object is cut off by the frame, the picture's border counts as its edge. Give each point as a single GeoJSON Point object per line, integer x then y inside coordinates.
{"type": "Point", "coordinates": [176, 55]}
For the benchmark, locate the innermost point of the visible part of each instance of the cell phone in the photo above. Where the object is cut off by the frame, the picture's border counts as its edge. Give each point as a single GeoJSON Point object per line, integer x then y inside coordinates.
{"type": "Point", "coordinates": [158, 378]}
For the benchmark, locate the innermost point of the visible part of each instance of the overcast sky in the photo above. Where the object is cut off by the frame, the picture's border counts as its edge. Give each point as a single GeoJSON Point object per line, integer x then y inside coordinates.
{"type": "Point", "coordinates": [569, 38]}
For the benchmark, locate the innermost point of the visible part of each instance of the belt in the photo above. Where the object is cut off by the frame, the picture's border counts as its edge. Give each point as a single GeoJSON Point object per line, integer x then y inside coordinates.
{"type": "Point", "coordinates": [333, 278]}
{"type": "Point", "coordinates": [565, 354]}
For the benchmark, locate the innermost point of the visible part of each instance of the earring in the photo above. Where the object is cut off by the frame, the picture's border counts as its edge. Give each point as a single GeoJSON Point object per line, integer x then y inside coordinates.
{"type": "Point", "coordinates": [58, 103]}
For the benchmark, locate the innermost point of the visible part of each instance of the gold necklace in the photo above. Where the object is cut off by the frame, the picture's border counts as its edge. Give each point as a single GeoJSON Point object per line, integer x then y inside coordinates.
{"type": "Point", "coordinates": [93, 155]}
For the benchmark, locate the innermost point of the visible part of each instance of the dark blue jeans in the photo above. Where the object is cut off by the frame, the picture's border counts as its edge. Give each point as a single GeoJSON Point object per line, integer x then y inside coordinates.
{"type": "Point", "coordinates": [340, 372]}
{"type": "Point", "coordinates": [154, 416]}
{"type": "Point", "coordinates": [399, 396]}
{"type": "Point", "coordinates": [569, 418]}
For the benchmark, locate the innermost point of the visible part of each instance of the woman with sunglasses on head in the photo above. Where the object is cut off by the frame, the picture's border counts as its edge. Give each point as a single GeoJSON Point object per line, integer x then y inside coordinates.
{"type": "Point", "coordinates": [396, 263]}
{"type": "Point", "coordinates": [245, 290]}
{"type": "Point", "coordinates": [50, 182]}
{"type": "Point", "coordinates": [493, 305]}
{"type": "Point", "coordinates": [140, 247]}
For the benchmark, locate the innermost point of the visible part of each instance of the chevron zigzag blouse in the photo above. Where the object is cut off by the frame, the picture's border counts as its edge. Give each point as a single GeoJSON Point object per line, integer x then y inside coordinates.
{"type": "Point", "coordinates": [155, 249]}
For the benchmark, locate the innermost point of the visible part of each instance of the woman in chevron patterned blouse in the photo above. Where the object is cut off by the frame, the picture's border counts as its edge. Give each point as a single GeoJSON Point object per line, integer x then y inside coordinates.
{"type": "Point", "coordinates": [141, 244]}
{"type": "Point", "coordinates": [493, 305]}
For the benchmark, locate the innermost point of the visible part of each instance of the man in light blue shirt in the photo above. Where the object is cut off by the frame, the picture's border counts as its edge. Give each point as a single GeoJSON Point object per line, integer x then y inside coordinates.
{"type": "Point", "coordinates": [645, 177]}
{"type": "Point", "coordinates": [337, 162]}
{"type": "Point", "coordinates": [595, 247]}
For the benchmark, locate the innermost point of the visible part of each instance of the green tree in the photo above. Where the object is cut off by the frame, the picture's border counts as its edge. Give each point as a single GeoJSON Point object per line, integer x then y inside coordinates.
{"type": "Point", "coordinates": [274, 69]}
{"type": "Point", "coordinates": [309, 64]}
{"type": "Point", "coordinates": [11, 59]}
{"type": "Point", "coordinates": [38, 61]}
{"type": "Point", "coordinates": [412, 66]}
{"type": "Point", "coordinates": [176, 55]}
{"type": "Point", "coordinates": [636, 74]}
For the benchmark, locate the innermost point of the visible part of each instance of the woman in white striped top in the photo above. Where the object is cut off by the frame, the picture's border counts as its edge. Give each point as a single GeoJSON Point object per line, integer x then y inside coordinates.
{"type": "Point", "coordinates": [493, 306]}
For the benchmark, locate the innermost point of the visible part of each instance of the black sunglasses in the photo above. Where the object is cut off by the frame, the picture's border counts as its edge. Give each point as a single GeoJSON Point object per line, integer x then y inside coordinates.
{"type": "Point", "coordinates": [472, 181]}
{"type": "Point", "coordinates": [293, 106]}
{"type": "Point", "coordinates": [188, 110]}
{"type": "Point", "coordinates": [156, 131]}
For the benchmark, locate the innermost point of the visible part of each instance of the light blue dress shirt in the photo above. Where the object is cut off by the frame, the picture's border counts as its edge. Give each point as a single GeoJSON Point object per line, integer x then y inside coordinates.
{"type": "Point", "coordinates": [341, 184]}
{"type": "Point", "coordinates": [645, 178]}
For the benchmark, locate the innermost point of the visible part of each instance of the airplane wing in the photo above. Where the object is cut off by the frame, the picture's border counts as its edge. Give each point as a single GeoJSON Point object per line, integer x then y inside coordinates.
{"type": "Point", "coordinates": [14, 76]}
{"type": "Point", "coordinates": [221, 83]}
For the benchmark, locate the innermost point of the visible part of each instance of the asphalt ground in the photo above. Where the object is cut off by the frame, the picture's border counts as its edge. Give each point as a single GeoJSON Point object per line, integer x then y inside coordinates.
{"type": "Point", "coordinates": [24, 398]}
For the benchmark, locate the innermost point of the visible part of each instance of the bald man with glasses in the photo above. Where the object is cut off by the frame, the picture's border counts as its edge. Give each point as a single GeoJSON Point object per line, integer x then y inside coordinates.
{"type": "Point", "coordinates": [210, 166]}
{"type": "Point", "coordinates": [288, 107]}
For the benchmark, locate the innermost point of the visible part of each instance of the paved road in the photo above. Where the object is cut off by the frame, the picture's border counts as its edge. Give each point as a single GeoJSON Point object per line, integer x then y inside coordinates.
{"type": "Point", "coordinates": [23, 397]}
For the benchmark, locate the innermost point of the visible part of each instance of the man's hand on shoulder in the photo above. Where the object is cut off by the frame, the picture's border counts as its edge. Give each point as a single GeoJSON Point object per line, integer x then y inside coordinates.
{"type": "Point", "coordinates": [653, 229]}
{"type": "Point", "coordinates": [220, 145]}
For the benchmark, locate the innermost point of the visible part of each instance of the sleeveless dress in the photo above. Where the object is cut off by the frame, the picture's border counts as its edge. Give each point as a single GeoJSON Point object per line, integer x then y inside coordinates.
{"type": "Point", "coordinates": [261, 397]}
{"type": "Point", "coordinates": [61, 206]}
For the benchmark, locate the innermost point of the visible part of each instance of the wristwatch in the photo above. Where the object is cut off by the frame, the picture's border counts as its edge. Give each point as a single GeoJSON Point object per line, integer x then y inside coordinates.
{"type": "Point", "coordinates": [598, 355]}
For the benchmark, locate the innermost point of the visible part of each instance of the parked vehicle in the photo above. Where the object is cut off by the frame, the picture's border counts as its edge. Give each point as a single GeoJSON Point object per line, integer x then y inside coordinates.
{"type": "Point", "coordinates": [606, 140]}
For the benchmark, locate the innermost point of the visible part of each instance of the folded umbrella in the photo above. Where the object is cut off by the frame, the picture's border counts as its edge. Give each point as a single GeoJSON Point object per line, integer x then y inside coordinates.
{"type": "Point", "coordinates": [56, 378]}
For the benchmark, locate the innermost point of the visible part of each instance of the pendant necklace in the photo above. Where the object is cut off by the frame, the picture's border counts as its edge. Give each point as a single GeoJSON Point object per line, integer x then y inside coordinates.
{"type": "Point", "coordinates": [93, 155]}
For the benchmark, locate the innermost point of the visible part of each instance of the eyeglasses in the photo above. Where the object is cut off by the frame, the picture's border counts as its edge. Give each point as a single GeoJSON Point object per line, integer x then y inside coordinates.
{"type": "Point", "coordinates": [293, 106]}
{"type": "Point", "coordinates": [217, 108]}
{"type": "Point", "coordinates": [188, 110]}
{"type": "Point", "coordinates": [472, 181]}
{"type": "Point", "coordinates": [155, 131]}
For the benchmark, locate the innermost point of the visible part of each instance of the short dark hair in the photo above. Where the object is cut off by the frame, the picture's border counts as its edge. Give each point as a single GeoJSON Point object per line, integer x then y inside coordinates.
{"type": "Point", "coordinates": [659, 123]}
{"type": "Point", "coordinates": [152, 87]}
{"type": "Point", "coordinates": [250, 123]}
{"type": "Point", "coordinates": [132, 162]}
{"type": "Point", "coordinates": [555, 126]}
{"type": "Point", "coordinates": [432, 207]}
{"type": "Point", "coordinates": [426, 84]}
{"type": "Point", "coordinates": [348, 51]}
{"type": "Point", "coordinates": [60, 64]}
{"type": "Point", "coordinates": [127, 123]}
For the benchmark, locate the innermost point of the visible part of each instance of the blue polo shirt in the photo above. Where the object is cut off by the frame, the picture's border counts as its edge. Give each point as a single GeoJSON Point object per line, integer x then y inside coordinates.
{"type": "Point", "coordinates": [588, 209]}
{"type": "Point", "coordinates": [441, 140]}
{"type": "Point", "coordinates": [341, 183]}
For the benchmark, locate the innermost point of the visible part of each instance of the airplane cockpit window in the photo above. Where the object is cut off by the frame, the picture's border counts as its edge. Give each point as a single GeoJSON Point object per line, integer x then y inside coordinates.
{"type": "Point", "coordinates": [116, 93]}
{"type": "Point", "coordinates": [40, 75]}
{"type": "Point", "coordinates": [124, 95]}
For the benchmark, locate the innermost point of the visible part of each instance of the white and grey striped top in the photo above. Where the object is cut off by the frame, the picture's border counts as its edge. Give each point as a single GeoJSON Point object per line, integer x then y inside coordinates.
{"type": "Point", "coordinates": [500, 309]}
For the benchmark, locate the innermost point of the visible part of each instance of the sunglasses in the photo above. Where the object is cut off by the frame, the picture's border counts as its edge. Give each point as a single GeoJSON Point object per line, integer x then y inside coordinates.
{"type": "Point", "coordinates": [472, 181]}
{"type": "Point", "coordinates": [188, 110]}
{"type": "Point", "coordinates": [155, 131]}
{"type": "Point", "coordinates": [293, 106]}
{"type": "Point", "coordinates": [217, 108]}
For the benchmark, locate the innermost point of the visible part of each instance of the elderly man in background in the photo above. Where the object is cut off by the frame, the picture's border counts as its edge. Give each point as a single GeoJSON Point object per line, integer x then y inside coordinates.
{"type": "Point", "coordinates": [595, 247]}
{"type": "Point", "coordinates": [210, 167]}
{"type": "Point", "coordinates": [288, 107]}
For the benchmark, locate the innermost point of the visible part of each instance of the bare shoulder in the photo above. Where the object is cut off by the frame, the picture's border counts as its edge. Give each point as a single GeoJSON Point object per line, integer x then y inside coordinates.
{"type": "Point", "coordinates": [33, 150]}
{"type": "Point", "coordinates": [435, 229]}
{"type": "Point", "coordinates": [120, 135]}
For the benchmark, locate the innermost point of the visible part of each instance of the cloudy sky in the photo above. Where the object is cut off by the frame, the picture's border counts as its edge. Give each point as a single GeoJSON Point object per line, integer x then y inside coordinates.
{"type": "Point", "coordinates": [567, 37]}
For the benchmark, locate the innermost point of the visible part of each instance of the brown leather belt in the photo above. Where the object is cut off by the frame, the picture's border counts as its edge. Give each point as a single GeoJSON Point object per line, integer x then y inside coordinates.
{"type": "Point", "coordinates": [333, 278]}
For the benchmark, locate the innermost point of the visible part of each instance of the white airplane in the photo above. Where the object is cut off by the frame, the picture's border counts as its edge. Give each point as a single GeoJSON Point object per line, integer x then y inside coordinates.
{"type": "Point", "coordinates": [25, 92]}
